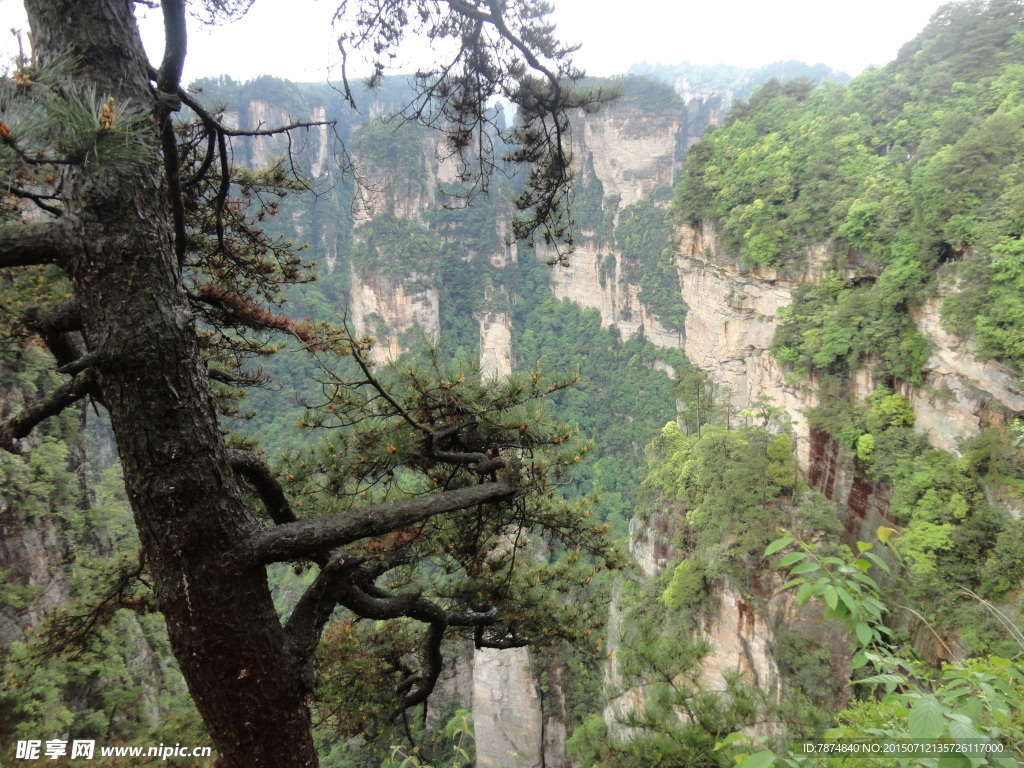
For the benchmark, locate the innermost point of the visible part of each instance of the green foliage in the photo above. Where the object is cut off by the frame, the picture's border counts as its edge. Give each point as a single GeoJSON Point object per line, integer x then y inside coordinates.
{"type": "Point", "coordinates": [727, 78]}
{"type": "Point", "coordinates": [888, 409]}
{"type": "Point", "coordinates": [643, 237]}
{"type": "Point", "coordinates": [910, 165]}
{"type": "Point", "coordinates": [532, 560]}
{"type": "Point", "coordinates": [45, 121]}
{"type": "Point", "coordinates": [952, 537]}
{"type": "Point", "coordinates": [620, 396]}
{"type": "Point", "coordinates": [729, 487]}
{"type": "Point", "coordinates": [1004, 566]}
{"type": "Point", "coordinates": [394, 144]}
{"type": "Point", "coordinates": [589, 210]}
{"type": "Point", "coordinates": [397, 247]}
{"type": "Point", "coordinates": [988, 306]}
{"type": "Point", "coordinates": [835, 327]}
{"type": "Point", "coordinates": [458, 732]}
{"type": "Point", "coordinates": [660, 678]}
{"type": "Point", "coordinates": [976, 700]}
{"type": "Point", "coordinates": [644, 92]}
{"type": "Point", "coordinates": [808, 668]}
{"type": "Point", "coordinates": [687, 587]}
{"type": "Point", "coordinates": [866, 447]}
{"type": "Point", "coordinates": [850, 595]}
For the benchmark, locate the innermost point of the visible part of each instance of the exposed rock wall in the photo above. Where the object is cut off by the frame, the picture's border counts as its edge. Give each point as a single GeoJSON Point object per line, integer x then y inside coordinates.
{"type": "Point", "coordinates": [407, 191]}
{"type": "Point", "coordinates": [31, 552]}
{"type": "Point", "coordinates": [312, 145]}
{"type": "Point", "coordinates": [730, 324]}
{"type": "Point", "coordinates": [454, 687]}
{"type": "Point", "coordinates": [631, 150]}
{"type": "Point", "coordinates": [959, 393]}
{"type": "Point", "coordinates": [740, 634]}
{"type": "Point", "coordinates": [616, 299]}
{"type": "Point", "coordinates": [631, 154]}
{"type": "Point", "coordinates": [732, 319]}
{"type": "Point", "coordinates": [508, 721]}
{"type": "Point", "coordinates": [379, 299]}
{"type": "Point", "coordinates": [495, 345]}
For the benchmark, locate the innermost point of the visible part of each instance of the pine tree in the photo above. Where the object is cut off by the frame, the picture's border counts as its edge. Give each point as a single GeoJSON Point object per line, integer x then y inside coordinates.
{"type": "Point", "coordinates": [135, 240]}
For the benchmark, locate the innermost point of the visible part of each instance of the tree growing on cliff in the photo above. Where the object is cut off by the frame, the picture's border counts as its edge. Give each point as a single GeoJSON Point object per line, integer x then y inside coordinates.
{"type": "Point", "coordinates": [134, 240]}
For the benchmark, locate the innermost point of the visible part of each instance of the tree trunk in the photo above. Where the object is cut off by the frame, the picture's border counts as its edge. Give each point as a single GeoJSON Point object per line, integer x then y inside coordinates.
{"type": "Point", "coordinates": [235, 656]}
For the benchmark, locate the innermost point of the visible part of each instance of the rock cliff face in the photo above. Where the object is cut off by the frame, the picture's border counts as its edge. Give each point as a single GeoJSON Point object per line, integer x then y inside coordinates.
{"type": "Point", "coordinates": [740, 635]}
{"type": "Point", "coordinates": [380, 305]}
{"type": "Point", "coordinates": [28, 551]}
{"type": "Point", "coordinates": [508, 722]}
{"type": "Point", "coordinates": [732, 319]}
{"type": "Point", "coordinates": [495, 344]}
{"type": "Point", "coordinates": [613, 296]}
{"type": "Point", "coordinates": [630, 154]}
{"type": "Point", "coordinates": [959, 394]}
{"type": "Point", "coordinates": [312, 144]}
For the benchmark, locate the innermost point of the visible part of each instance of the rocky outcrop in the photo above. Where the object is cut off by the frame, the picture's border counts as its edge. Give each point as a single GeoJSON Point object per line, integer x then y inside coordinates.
{"type": "Point", "coordinates": [312, 145]}
{"type": "Point", "coordinates": [454, 687]}
{"type": "Point", "coordinates": [740, 632]}
{"type": "Point", "coordinates": [382, 306]}
{"type": "Point", "coordinates": [581, 281]}
{"type": "Point", "coordinates": [508, 721]}
{"type": "Point", "coordinates": [30, 555]}
{"type": "Point", "coordinates": [741, 639]}
{"type": "Point", "coordinates": [495, 345]}
{"type": "Point", "coordinates": [632, 151]}
{"type": "Point", "coordinates": [959, 395]}
{"type": "Point", "coordinates": [407, 191]}
{"type": "Point", "coordinates": [630, 154]}
{"type": "Point", "coordinates": [733, 313]}
{"type": "Point", "coordinates": [732, 319]}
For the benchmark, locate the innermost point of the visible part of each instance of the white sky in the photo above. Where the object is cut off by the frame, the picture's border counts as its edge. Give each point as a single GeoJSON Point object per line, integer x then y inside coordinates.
{"type": "Point", "coordinates": [293, 39]}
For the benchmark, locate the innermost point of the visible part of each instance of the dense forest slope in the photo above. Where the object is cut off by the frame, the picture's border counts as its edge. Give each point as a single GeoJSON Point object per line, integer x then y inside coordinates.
{"type": "Point", "coordinates": [870, 234]}
{"type": "Point", "coordinates": [850, 260]}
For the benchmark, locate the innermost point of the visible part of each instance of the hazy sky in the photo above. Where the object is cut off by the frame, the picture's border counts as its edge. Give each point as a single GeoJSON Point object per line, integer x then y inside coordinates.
{"type": "Point", "coordinates": [292, 38]}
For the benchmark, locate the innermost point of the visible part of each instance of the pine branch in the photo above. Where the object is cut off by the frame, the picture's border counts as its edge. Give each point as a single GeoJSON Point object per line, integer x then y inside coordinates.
{"type": "Point", "coordinates": [216, 126]}
{"type": "Point", "coordinates": [364, 598]}
{"type": "Point", "coordinates": [41, 242]}
{"type": "Point", "coordinates": [56, 323]}
{"type": "Point", "coordinates": [67, 394]}
{"type": "Point", "coordinates": [308, 538]}
{"type": "Point", "coordinates": [243, 311]}
{"type": "Point", "coordinates": [42, 201]}
{"type": "Point", "coordinates": [317, 604]}
{"type": "Point", "coordinates": [261, 478]}
{"type": "Point", "coordinates": [175, 44]}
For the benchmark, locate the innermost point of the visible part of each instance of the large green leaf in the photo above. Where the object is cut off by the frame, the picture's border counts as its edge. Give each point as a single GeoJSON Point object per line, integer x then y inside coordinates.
{"type": "Point", "coordinates": [778, 544]}
{"type": "Point", "coordinates": [864, 633]}
{"type": "Point", "coordinates": [926, 720]}
{"type": "Point", "coordinates": [792, 557]}
{"type": "Point", "coordinates": [759, 760]}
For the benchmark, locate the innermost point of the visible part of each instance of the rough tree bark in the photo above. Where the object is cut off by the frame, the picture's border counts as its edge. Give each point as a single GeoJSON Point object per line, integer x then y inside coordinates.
{"type": "Point", "coordinates": [188, 506]}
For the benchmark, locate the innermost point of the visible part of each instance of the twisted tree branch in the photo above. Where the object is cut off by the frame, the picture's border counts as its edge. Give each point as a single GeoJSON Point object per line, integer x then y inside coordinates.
{"type": "Point", "coordinates": [308, 538]}
{"type": "Point", "coordinates": [20, 425]}
{"type": "Point", "coordinates": [252, 469]}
